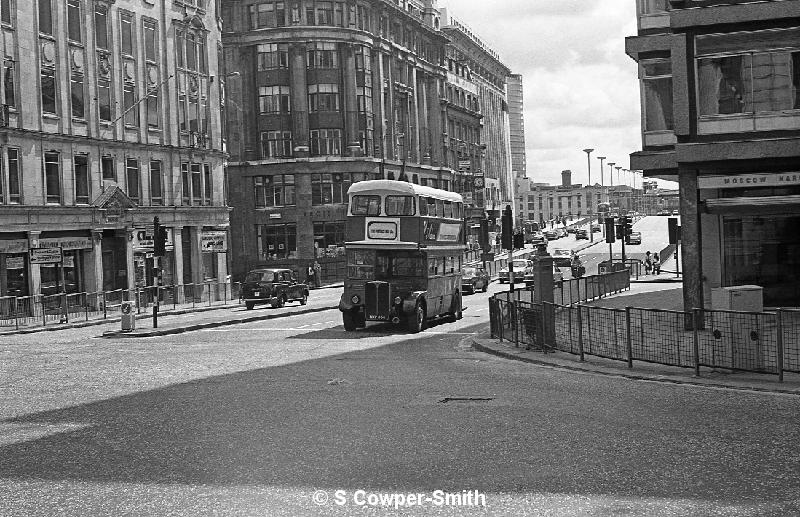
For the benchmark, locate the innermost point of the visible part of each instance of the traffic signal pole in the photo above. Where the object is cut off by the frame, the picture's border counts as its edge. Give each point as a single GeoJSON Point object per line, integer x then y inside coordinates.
{"type": "Point", "coordinates": [157, 265]}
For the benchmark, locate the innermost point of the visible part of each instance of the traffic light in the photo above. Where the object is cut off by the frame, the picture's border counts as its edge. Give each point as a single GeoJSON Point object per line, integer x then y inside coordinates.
{"type": "Point", "coordinates": [508, 228]}
{"type": "Point", "coordinates": [159, 239]}
{"type": "Point", "coordinates": [519, 241]}
{"type": "Point", "coordinates": [610, 230]}
{"type": "Point", "coordinates": [483, 238]}
{"type": "Point", "coordinates": [672, 230]}
{"type": "Point", "coordinates": [620, 230]}
{"type": "Point", "coordinates": [628, 223]}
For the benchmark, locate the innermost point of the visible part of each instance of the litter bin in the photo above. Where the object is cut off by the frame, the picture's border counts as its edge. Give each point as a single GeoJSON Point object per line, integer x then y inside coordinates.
{"type": "Point", "coordinates": [128, 309]}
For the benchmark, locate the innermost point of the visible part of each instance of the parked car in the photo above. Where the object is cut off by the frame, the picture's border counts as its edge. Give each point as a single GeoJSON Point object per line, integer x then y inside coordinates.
{"type": "Point", "coordinates": [520, 268]}
{"type": "Point", "coordinates": [530, 277]}
{"type": "Point", "coordinates": [562, 232]}
{"type": "Point", "coordinates": [676, 213]}
{"type": "Point", "coordinates": [551, 235]}
{"type": "Point", "coordinates": [538, 238]}
{"type": "Point", "coordinates": [663, 212]}
{"type": "Point", "coordinates": [273, 286]}
{"type": "Point", "coordinates": [474, 278]}
{"type": "Point", "coordinates": [635, 238]}
{"type": "Point", "coordinates": [595, 228]}
{"type": "Point", "coordinates": [571, 229]}
{"type": "Point", "coordinates": [562, 257]}
{"type": "Point", "coordinates": [580, 233]}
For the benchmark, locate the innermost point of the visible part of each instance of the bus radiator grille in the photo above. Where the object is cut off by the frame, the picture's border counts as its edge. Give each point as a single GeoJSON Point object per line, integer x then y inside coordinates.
{"type": "Point", "coordinates": [377, 299]}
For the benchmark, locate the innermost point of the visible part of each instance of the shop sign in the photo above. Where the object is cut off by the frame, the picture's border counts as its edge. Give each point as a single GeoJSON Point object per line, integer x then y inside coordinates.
{"type": "Point", "coordinates": [14, 246]}
{"type": "Point", "coordinates": [143, 238]}
{"type": "Point", "coordinates": [45, 255]}
{"type": "Point", "coordinates": [748, 180]}
{"type": "Point", "coordinates": [69, 260]}
{"type": "Point", "coordinates": [275, 216]}
{"type": "Point", "coordinates": [67, 243]}
{"type": "Point", "coordinates": [15, 263]}
{"type": "Point", "coordinates": [212, 242]}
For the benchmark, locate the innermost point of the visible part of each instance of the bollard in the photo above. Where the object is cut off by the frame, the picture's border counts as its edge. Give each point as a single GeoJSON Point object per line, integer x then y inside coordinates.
{"type": "Point", "coordinates": [779, 351]}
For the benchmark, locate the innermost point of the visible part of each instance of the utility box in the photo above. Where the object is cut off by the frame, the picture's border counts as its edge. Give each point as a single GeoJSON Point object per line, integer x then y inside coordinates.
{"type": "Point", "coordinates": [128, 309]}
{"type": "Point", "coordinates": [743, 298]}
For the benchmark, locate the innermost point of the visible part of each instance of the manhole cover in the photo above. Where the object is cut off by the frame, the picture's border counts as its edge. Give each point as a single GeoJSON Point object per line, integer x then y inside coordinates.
{"type": "Point", "coordinates": [464, 400]}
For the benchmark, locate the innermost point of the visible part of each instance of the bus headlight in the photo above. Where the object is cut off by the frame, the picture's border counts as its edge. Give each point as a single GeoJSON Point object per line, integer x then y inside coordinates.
{"type": "Point", "coordinates": [398, 300]}
{"type": "Point", "coordinates": [355, 299]}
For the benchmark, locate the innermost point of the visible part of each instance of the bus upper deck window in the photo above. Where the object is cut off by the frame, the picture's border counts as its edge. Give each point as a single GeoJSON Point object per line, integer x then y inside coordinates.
{"type": "Point", "coordinates": [366, 205]}
{"type": "Point", "coordinates": [399, 205]}
{"type": "Point", "coordinates": [423, 206]}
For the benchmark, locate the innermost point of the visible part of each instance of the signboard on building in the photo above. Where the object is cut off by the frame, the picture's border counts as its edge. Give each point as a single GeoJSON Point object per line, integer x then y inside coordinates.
{"type": "Point", "coordinates": [45, 255]}
{"type": "Point", "coordinates": [67, 243]}
{"type": "Point", "coordinates": [15, 263]}
{"type": "Point", "coordinates": [143, 238]}
{"type": "Point", "coordinates": [748, 180]}
{"type": "Point", "coordinates": [464, 165]}
{"type": "Point", "coordinates": [214, 242]}
{"type": "Point", "coordinates": [14, 246]}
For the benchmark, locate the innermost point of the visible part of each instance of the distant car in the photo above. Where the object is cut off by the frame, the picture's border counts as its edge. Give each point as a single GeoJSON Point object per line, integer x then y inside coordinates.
{"type": "Point", "coordinates": [538, 238]}
{"type": "Point", "coordinates": [551, 235]}
{"type": "Point", "coordinates": [663, 212]}
{"type": "Point", "coordinates": [562, 257]}
{"type": "Point", "coordinates": [530, 277]}
{"type": "Point", "coordinates": [571, 229]}
{"type": "Point", "coordinates": [581, 234]}
{"type": "Point", "coordinates": [474, 278]}
{"type": "Point", "coordinates": [272, 286]}
{"type": "Point", "coordinates": [635, 238]}
{"type": "Point", "coordinates": [562, 232]}
{"type": "Point", "coordinates": [520, 268]}
{"type": "Point", "coordinates": [675, 212]}
{"type": "Point", "coordinates": [595, 228]}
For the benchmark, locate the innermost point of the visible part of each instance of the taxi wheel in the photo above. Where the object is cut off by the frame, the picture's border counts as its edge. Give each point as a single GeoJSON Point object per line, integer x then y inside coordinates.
{"type": "Point", "coordinates": [304, 299]}
{"type": "Point", "coordinates": [249, 305]}
{"type": "Point", "coordinates": [349, 320]}
{"type": "Point", "coordinates": [416, 320]}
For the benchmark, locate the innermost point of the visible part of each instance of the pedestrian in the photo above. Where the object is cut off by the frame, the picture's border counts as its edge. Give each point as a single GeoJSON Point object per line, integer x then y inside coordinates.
{"type": "Point", "coordinates": [310, 276]}
{"type": "Point", "coordinates": [317, 274]}
{"type": "Point", "coordinates": [648, 263]}
{"type": "Point", "coordinates": [656, 264]}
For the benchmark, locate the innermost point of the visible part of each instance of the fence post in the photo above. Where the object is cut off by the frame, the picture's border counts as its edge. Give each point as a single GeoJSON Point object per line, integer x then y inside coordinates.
{"type": "Point", "coordinates": [16, 313]}
{"type": "Point", "coordinates": [515, 322]}
{"type": "Point", "coordinates": [44, 312]}
{"type": "Point", "coordinates": [65, 307]}
{"type": "Point", "coordinates": [86, 305]}
{"type": "Point", "coordinates": [779, 343]}
{"type": "Point", "coordinates": [208, 288]}
{"type": "Point", "coordinates": [696, 341]}
{"type": "Point", "coordinates": [500, 327]}
{"type": "Point", "coordinates": [628, 340]}
{"type": "Point", "coordinates": [580, 332]}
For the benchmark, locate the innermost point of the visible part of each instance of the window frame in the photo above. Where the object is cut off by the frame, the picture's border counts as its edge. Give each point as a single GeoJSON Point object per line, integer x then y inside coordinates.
{"type": "Point", "coordinates": [82, 179]}
{"type": "Point", "coordinates": [52, 177]}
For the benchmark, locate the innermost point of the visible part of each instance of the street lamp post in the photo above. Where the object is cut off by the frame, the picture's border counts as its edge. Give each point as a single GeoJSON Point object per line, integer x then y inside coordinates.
{"type": "Point", "coordinates": [618, 167]}
{"type": "Point", "coordinates": [611, 172]}
{"type": "Point", "coordinates": [601, 158]}
{"type": "Point", "coordinates": [589, 164]}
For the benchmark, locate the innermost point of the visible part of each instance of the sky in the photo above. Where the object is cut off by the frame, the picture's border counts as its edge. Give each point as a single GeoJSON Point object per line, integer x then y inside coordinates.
{"type": "Point", "coordinates": [580, 88]}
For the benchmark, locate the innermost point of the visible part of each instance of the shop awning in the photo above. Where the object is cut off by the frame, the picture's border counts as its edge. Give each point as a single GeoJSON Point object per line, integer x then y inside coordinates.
{"type": "Point", "coordinates": [754, 205]}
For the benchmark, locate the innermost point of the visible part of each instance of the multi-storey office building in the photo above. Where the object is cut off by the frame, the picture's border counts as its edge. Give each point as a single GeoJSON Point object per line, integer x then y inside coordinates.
{"type": "Point", "coordinates": [110, 117]}
{"type": "Point", "coordinates": [721, 115]}
{"type": "Point", "coordinates": [516, 109]}
{"type": "Point", "coordinates": [489, 74]}
{"type": "Point", "coordinates": [546, 204]}
{"type": "Point", "coordinates": [323, 94]}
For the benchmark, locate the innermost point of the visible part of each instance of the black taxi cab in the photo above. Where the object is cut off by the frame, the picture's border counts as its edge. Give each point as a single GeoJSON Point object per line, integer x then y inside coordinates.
{"type": "Point", "coordinates": [273, 286]}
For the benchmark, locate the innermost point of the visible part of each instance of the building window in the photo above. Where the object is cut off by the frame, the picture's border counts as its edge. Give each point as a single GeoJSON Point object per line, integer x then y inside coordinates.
{"type": "Point", "coordinates": [324, 13]}
{"type": "Point", "coordinates": [150, 40]}
{"type": "Point", "coordinates": [129, 105]}
{"type": "Point", "coordinates": [81, 180]}
{"type": "Point", "coordinates": [6, 8]}
{"type": "Point", "coordinates": [132, 178]}
{"type": "Point", "coordinates": [277, 241]}
{"type": "Point", "coordinates": [45, 17]}
{"type": "Point", "coordinates": [156, 187]}
{"type": "Point", "coordinates": [274, 100]}
{"type": "Point", "coordinates": [654, 6]}
{"type": "Point", "coordinates": [49, 91]}
{"type": "Point", "coordinates": [152, 109]}
{"type": "Point", "coordinates": [107, 167]}
{"type": "Point", "coordinates": [197, 183]}
{"type": "Point", "coordinates": [126, 33]}
{"type": "Point", "coordinates": [208, 185]}
{"type": "Point", "coordinates": [104, 99]}
{"type": "Point", "coordinates": [326, 142]}
{"type": "Point", "coordinates": [329, 189]}
{"type": "Point", "coordinates": [74, 20]}
{"type": "Point", "coordinates": [14, 177]}
{"type": "Point", "coordinates": [186, 187]}
{"type": "Point", "coordinates": [77, 97]}
{"type": "Point", "coordinates": [273, 55]}
{"type": "Point", "coordinates": [364, 99]}
{"type": "Point", "coordinates": [101, 26]}
{"type": "Point", "coordinates": [271, 191]}
{"type": "Point", "coordinates": [52, 177]}
{"type": "Point", "coordinates": [323, 97]}
{"type": "Point", "coordinates": [329, 238]}
{"type": "Point", "coordinates": [9, 74]}
{"type": "Point", "coordinates": [267, 14]}
{"type": "Point", "coordinates": [276, 144]}
{"type": "Point", "coordinates": [323, 55]}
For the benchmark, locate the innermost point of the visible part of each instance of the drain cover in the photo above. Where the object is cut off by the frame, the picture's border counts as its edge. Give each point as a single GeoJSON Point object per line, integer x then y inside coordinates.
{"type": "Point", "coordinates": [463, 400]}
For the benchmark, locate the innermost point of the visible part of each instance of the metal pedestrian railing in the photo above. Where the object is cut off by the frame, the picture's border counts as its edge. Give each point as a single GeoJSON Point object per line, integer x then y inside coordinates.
{"type": "Point", "coordinates": [763, 342]}
{"type": "Point", "coordinates": [19, 312]}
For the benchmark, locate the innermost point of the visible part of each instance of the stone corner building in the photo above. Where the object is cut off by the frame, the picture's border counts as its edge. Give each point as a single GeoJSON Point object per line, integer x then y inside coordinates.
{"type": "Point", "coordinates": [720, 84]}
{"type": "Point", "coordinates": [322, 94]}
{"type": "Point", "coordinates": [110, 117]}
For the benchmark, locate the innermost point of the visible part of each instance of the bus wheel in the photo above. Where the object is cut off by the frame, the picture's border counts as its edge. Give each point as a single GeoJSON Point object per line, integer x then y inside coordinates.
{"type": "Point", "coordinates": [416, 320]}
{"type": "Point", "coordinates": [349, 320]}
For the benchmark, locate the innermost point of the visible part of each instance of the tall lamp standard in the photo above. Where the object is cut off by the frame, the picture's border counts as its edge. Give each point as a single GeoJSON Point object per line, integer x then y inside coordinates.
{"type": "Point", "coordinates": [619, 181]}
{"type": "Point", "coordinates": [601, 158]}
{"type": "Point", "coordinates": [589, 164]}
{"type": "Point", "coordinates": [611, 172]}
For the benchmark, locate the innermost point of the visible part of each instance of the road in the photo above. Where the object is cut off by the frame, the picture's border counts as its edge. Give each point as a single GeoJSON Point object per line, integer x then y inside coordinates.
{"type": "Point", "coordinates": [253, 419]}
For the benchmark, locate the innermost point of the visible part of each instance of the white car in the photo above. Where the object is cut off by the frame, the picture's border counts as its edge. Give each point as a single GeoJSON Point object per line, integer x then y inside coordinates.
{"type": "Point", "coordinates": [562, 257]}
{"type": "Point", "coordinates": [521, 267]}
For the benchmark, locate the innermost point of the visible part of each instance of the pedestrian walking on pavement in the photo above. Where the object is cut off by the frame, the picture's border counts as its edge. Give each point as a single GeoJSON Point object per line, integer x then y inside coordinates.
{"type": "Point", "coordinates": [656, 264]}
{"type": "Point", "coordinates": [317, 274]}
{"type": "Point", "coordinates": [648, 263]}
{"type": "Point", "coordinates": [310, 276]}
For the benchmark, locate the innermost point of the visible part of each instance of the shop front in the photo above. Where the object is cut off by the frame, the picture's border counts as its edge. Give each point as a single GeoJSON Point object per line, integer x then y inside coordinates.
{"type": "Point", "coordinates": [145, 263]}
{"type": "Point", "coordinates": [14, 266]}
{"type": "Point", "coordinates": [71, 275]}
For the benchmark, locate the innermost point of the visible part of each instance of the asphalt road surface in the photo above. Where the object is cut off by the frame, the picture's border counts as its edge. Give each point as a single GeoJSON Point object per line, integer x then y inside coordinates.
{"type": "Point", "coordinates": [275, 417]}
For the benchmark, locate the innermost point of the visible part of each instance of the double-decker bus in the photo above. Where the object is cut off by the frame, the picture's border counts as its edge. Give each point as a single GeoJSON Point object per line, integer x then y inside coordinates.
{"type": "Point", "coordinates": [530, 229]}
{"type": "Point", "coordinates": [404, 247]}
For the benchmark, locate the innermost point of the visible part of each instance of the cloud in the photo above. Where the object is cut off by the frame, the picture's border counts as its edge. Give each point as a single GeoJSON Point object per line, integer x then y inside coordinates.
{"type": "Point", "coordinates": [580, 89]}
